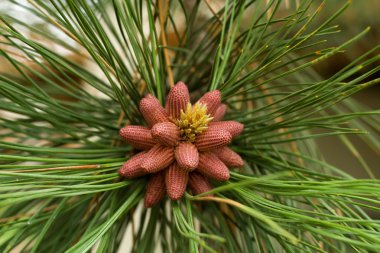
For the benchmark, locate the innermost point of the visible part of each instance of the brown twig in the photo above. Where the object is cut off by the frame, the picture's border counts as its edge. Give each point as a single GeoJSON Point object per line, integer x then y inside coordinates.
{"type": "Point", "coordinates": [163, 6]}
{"type": "Point", "coordinates": [54, 22]}
{"type": "Point", "coordinates": [213, 11]}
{"type": "Point", "coordinates": [77, 167]}
{"type": "Point", "coordinates": [220, 200]}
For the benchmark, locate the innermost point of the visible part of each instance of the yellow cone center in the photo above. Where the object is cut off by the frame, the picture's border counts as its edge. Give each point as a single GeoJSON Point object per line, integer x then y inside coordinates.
{"type": "Point", "coordinates": [193, 121]}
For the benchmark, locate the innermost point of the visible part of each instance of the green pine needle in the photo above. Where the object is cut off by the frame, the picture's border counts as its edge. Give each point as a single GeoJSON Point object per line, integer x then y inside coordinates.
{"type": "Point", "coordinates": [59, 122]}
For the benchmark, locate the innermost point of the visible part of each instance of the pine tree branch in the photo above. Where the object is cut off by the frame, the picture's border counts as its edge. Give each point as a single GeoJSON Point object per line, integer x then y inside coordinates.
{"type": "Point", "coordinates": [60, 149]}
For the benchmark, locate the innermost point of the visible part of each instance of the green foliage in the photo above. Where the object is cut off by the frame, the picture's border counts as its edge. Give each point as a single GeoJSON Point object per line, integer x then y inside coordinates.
{"type": "Point", "coordinates": [59, 187]}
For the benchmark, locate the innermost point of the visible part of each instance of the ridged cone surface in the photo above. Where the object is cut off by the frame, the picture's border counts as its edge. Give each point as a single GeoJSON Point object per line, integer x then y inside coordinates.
{"type": "Point", "coordinates": [132, 167]}
{"type": "Point", "coordinates": [212, 167]}
{"type": "Point", "coordinates": [184, 144]}
{"type": "Point", "coordinates": [212, 99]}
{"type": "Point", "coordinates": [220, 112]}
{"type": "Point", "coordinates": [176, 181]}
{"type": "Point", "coordinates": [212, 138]}
{"type": "Point", "coordinates": [137, 136]}
{"type": "Point", "coordinates": [229, 157]}
{"type": "Point", "coordinates": [157, 158]}
{"type": "Point", "coordinates": [155, 189]}
{"type": "Point", "coordinates": [177, 100]}
{"type": "Point", "coordinates": [152, 110]}
{"type": "Point", "coordinates": [233, 127]}
{"type": "Point", "coordinates": [165, 133]}
{"type": "Point", "coordinates": [186, 155]}
{"type": "Point", "coordinates": [198, 183]}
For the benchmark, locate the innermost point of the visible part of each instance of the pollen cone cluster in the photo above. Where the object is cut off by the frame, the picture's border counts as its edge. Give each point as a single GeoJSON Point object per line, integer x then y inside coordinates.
{"type": "Point", "coordinates": [182, 145]}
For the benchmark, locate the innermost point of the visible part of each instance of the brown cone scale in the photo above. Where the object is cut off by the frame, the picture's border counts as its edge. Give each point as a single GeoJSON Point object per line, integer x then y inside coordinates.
{"type": "Point", "coordinates": [212, 138]}
{"type": "Point", "coordinates": [155, 189]}
{"type": "Point", "coordinates": [212, 99]}
{"type": "Point", "coordinates": [138, 136]}
{"type": "Point", "coordinates": [176, 181]}
{"type": "Point", "coordinates": [165, 133]}
{"type": "Point", "coordinates": [132, 167]}
{"type": "Point", "coordinates": [186, 155]}
{"type": "Point", "coordinates": [177, 100]}
{"type": "Point", "coordinates": [233, 127]}
{"type": "Point", "coordinates": [199, 184]}
{"type": "Point", "coordinates": [219, 113]}
{"type": "Point", "coordinates": [229, 157]}
{"type": "Point", "coordinates": [152, 110]}
{"type": "Point", "coordinates": [212, 167]}
{"type": "Point", "coordinates": [157, 158]}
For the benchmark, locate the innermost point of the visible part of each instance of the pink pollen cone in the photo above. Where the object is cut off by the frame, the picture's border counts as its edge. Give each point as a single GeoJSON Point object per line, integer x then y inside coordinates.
{"type": "Point", "coordinates": [152, 111]}
{"type": "Point", "coordinates": [181, 151]}
{"type": "Point", "coordinates": [176, 181]}
{"type": "Point", "coordinates": [157, 158]}
{"type": "Point", "coordinates": [177, 100]}
{"type": "Point", "coordinates": [165, 133]}
{"type": "Point", "coordinates": [155, 189]}
{"type": "Point", "coordinates": [229, 157]}
{"type": "Point", "coordinates": [235, 128]}
{"type": "Point", "coordinates": [186, 155]}
{"type": "Point", "coordinates": [219, 113]}
{"type": "Point", "coordinates": [212, 167]}
{"type": "Point", "coordinates": [199, 184]}
{"type": "Point", "coordinates": [212, 138]}
{"type": "Point", "coordinates": [132, 167]}
{"type": "Point", "coordinates": [138, 136]}
{"type": "Point", "coordinates": [212, 99]}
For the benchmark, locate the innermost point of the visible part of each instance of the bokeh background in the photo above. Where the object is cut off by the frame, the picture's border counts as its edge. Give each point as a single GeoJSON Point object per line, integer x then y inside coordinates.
{"type": "Point", "coordinates": [359, 16]}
